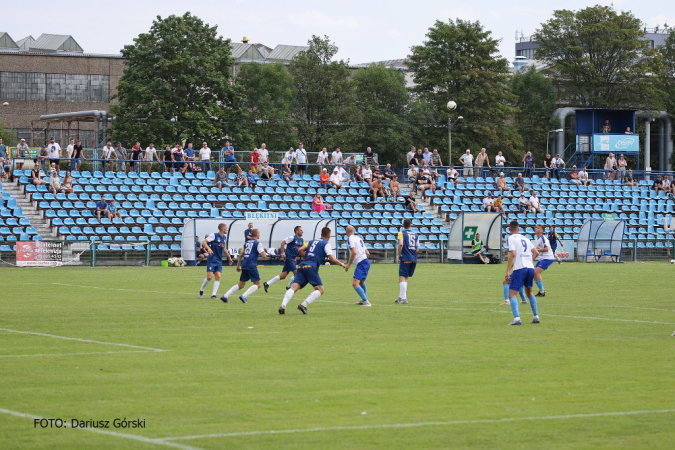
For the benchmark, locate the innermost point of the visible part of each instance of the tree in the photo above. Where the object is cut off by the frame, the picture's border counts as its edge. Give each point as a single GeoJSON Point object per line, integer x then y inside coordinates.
{"type": "Point", "coordinates": [176, 86]}
{"type": "Point", "coordinates": [667, 76]}
{"type": "Point", "coordinates": [268, 92]}
{"type": "Point", "coordinates": [535, 102]}
{"type": "Point", "coordinates": [599, 59]}
{"type": "Point", "coordinates": [324, 103]}
{"type": "Point", "coordinates": [382, 97]}
{"type": "Point", "coordinates": [459, 62]}
{"type": "Point", "coordinates": [8, 136]}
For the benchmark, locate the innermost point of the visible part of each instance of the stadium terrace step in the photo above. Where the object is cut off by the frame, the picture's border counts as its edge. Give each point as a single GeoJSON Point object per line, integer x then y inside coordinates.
{"type": "Point", "coordinates": [30, 210]}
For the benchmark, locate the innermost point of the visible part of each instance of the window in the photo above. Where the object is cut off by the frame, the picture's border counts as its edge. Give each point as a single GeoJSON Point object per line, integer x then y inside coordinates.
{"type": "Point", "coordinates": [54, 87]}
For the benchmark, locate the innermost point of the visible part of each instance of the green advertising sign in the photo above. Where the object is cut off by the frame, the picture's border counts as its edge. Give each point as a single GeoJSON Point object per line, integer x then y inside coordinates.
{"type": "Point", "coordinates": [470, 233]}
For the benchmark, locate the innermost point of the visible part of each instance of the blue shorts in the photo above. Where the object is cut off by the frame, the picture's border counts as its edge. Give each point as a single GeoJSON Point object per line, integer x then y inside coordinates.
{"type": "Point", "coordinates": [361, 271]}
{"type": "Point", "coordinates": [214, 266]}
{"type": "Point", "coordinates": [229, 164]}
{"type": "Point", "coordinates": [554, 246]}
{"type": "Point", "coordinates": [289, 266]}
{"type": "Point", "coordinates": [521, 278]}
{"type": "Point", "coordinates": [249, 274]}
{"type": "Point", "coordinates": [406, 269]}
{"type": "Point", "coordinates": [544, 263]}
{"type": "Point", "coordinates": [307, 275]}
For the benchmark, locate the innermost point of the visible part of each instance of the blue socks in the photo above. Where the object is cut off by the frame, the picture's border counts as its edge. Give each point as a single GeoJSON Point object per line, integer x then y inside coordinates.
{"type": "Point", "coordinates": [533, 304]}
{"type": "Point", "coordinates": [522, 294]}
{"type": "Point", "coordinates": [365, 288]}
{"type": "Point", "coordinates": [359, 290]}
{"type": "Point", "coordinates": [540, 285]}
{"type": "Point", "coordinates": [514, 307]}
{"type": "Point", "coordinates": [506, 292]}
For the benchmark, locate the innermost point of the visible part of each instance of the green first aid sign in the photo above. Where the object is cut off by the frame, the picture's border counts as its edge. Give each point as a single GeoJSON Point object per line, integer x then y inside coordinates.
{"type": "Point", "coordinates": [470, 233]}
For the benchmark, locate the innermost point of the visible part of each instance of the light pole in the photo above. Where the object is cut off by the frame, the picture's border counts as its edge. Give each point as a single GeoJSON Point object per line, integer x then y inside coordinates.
{"type": "Point", "coordinates": [548, 134]}
{"type": "Point", "coordinates": [450, 125]}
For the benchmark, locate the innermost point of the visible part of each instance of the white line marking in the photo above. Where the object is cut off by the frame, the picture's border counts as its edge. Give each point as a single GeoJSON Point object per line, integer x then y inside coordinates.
{"type": "Point", "coordinates": [418, 424]}
{"type": "Point", "coordinates": [597, 318]}
{"type": "Point", "coordinates": [150, 349]}
{"type": "Point", "coordinates": [135, 437]}
{"type": "Point", "coordinates": [72, 354]}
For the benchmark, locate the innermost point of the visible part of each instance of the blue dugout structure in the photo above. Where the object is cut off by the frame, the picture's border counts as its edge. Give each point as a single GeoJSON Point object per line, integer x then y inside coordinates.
{"type": "Point", "coordinates": [600, 241]}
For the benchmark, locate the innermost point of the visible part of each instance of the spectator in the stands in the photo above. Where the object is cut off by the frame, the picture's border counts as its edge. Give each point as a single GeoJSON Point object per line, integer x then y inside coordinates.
{"type": "Point", "coordinates": [377, 189]}
{"type": "Point", "coordinates": [519, 183]}
{"type": "Point", "coordinates": [535, 205]}
{"type": "Point", "coordinates": [350, 160]}
{"type": "Point", "coordinates": [369, 157]}
{"type": "Point", "coordinates": [500, 161]}
{"type": "Point", "coordinates": [120, 156]}
{"type": "Point", "coordinates": [419, 156]}
{"type": "Point", "coordinates": [35, 175]}
{"type": "Point", "coordinates": [584, 178]}
{"type": "Point", "coordinates": [344, 175]}
{"type": "Point", "coordinates": [436, 158]}
{"type": "Point", "coordinates": [377, 173]}
{"type": "Point", "coordinates": [136, 151]}
{"type": "Point", "coordinates": [628, 131]}
{"type": "Point", "coordinates": [54, 151]}
{"type": "Point", "coordinates": [263, 154]}
{"type": "Point", "coordinates": [22, 152]}
{"type": "Point", "coordinates": [430, 177]}
{"type": "Point", "coordinates": [367, 174]}
{"type": "Point", "coordinates": [102, 209]}
{"type": "Point", "coordinates": [548, 165]}
{"type": "Point", "coordinates": [248, 232]}
{"type": "Point", "coordinates": [630, 181]}
{"type": "Point", "coordinates": [523, 204]}
{"type": "Point", "coordinates": [251, 179]}
{"type": "Point", "coordinates": [167, 160]}
{"type": "Point", "coordinates": [301, 158]}
{"type": "Point", "coordinates": [67, 186]}
{"type": "Point", "coordinates": [621, 165]}
{"type": "Point", "coordinates": [477, 248]}
{"type": "Point", "coordinates": [150, 155]}
{"type": "Point", "coordinates": [3, 157]}
{"type": "Point", "coordinates": [574, 176]}
{"type": "Point", "coordinates": [179, 159]}
{"type": "Point", "coordinates": [323, 158]}
{"type": "Point", "coordinates": [558, 166]}
{"type": "Point", "coordinates": [43, 156]}
{"type": "Point", "coordinates": [528, 164]}
{"type": "Point", "coordinates": [395, 187]}
{"type": "Point", "coordinates": [266, 171]}
{"type": "Point", "coordinates": [411, 154]}
{"type": "Point", "coordinates": [335, 179]}
{"type": "Point", "coordinates": [317, 203]}
{"type": "Point", "coordinates": [498, 205]}
{"type": "Point", "coordinates": [482, 159]}
{"type": "Point", "coordinates": [610, 167]}
{"type": "Point", "coordinates": [358, 174]}
{"type": "Point", "coordinates": [113, 212]}
{"type": "Point", "coordinates": [241, 179]}
{"type": "Point", "coordinates": [501, 184]}
{"type": "Point", "coordinates": [230, 158]}
{"type": "Point", "coordinates": [409, 202]}
{"type": "Point", "coordinates": [658, 184]}
{"type": "Point", "coordinates": [389, 173]}
{"type": "Point", "coordinates": [336, 157]}
{"type": "Point", "coordinates": [107, 155]}
{"type": "Point", "coordinates": [427, 156]}
{"type": "Point", "coordinates": [452, 174]}
{"type": "Point", "coordinates": [221, 179]}
{"type": "Point", "coordinates": [324, 178]}
{"type": "Point", "coordinates": [467, 161]}
{"type": "Point", "coordinates": [488, 203]}
{"type": "Point", "coordinates": [606, 127]}
{"type": "Point", "coordinates": [205, 157]}
{"type": "Point", "coordinates": [289, 161]}
{"type": "Point", "coordinates": [666, 186]}
{"type": "Point", "coordinates": [423, 183]}
{"type": "Point", "coordinates": [255, 160]}
{"type": "Point", "coordinates": [412, 175]}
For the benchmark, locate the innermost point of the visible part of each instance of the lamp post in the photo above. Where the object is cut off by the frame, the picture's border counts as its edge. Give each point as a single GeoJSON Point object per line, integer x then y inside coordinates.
{"type": "Point", "coordinates": [548, 134]}
{"type": "Point", "coordinates": [450, 125]}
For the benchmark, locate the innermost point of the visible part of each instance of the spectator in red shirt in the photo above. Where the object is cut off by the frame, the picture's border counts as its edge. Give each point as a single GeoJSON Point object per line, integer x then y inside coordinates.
{"type": "Point", "coordinates": [255, 160]}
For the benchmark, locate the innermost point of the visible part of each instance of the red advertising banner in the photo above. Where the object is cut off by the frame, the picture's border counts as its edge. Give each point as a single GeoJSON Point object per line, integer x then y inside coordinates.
{"type": "Point", "coordinates": [39, 253]}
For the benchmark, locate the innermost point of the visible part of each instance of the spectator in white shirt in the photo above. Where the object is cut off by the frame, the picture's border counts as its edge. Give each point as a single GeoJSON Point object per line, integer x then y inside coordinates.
{"type": "Point", "coordinates": [342, 172]}
{"type": "Point", "coordinates": [264, 154]}
{"type": "Point", "coordinates": [335, 179]}
{"type": "Point", "coordinates": [288, 159]}
{"type": "Point", "coordinates": [205, 157]}
{"type": "Point", "coordinates": [558, 165]}
{"type": "Point", "coordinates": [336, 157]}
{"type": "Point", "coordinates": [488, 203]}
{"type": "Point", "coordinates": [351, 160]}
{"type": "Point", "coordinates": [535, 206]}
{"type": "Point", "coordinates": [150, 155]}
{"type": "Point", "coordinates": [523, 204]}
{"type": "Point", "coordinates": [367, 174]}
{"type": "Point", "coordinates": [54, 151]}
{"type": "Point", "coordinates": [583, 177]}
{"type": "Point", "coordinates": [322, 158]}
{"type": "Point", "coordinates": [467, 161]}
{"type": "Point", "coordinates": [411, 154]}
{"type": "Point", "coordinates": [108, 153]}
{"type": "Point", "coordinates": [301, 158]}
{"type": "Point", "coordinates": [500, 160]}
{"type": "Point", "coordinates": [453, 175]}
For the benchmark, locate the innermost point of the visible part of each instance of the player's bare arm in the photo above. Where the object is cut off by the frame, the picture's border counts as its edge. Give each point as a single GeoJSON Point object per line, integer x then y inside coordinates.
{"type": "Point", "coordinates": [241, 256]}
{"type": "Point", "coordinates": [283, 249]}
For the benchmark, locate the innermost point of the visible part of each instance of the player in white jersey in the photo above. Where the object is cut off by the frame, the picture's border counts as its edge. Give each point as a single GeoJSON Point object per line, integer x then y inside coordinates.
{"type": "Point", "coordinates": [546, 258]}
{"type": "Point", "coordinates": [521, 254]}
{"type": "Point", "coordinates": [359, 257]}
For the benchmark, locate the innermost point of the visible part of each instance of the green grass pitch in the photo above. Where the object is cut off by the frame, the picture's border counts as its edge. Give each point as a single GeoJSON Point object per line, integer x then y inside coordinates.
{"type": "Point", "coordinates": [443, 372]}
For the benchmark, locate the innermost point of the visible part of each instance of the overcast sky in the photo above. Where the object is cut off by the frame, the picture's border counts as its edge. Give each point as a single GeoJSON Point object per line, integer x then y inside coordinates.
{"type": "Point", "coordinates": [364, 31]}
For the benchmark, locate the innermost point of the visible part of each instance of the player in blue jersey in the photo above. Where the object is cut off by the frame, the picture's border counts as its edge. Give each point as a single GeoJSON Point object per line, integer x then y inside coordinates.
{"type": "Point", "coordinates": [313, 256]}
{"type": "Point", "coordinates": [358, 255]}
{"type": "Point", "coordinates": [247, 264]}
{"type": "Point", "coordinates": [553, 239]}
{"type": "Point", "coordinates": [215, 246]}
{"type": "Point", "coordinates": [406, 254]}
{"type": "Point", "coordinates": [545, 259]}
{"type": "Point", "coordinates": [289, 251]}
{"type": "Point", "coordinates": [521, 254]}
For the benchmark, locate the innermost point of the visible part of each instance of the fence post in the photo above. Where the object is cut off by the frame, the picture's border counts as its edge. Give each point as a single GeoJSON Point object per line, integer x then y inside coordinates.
{"type": "Point", "coordinates": [634, 249]}
{"type": "Point", "coordinates": [147, 253]}
{"type": "Point", "coordinates": [92, 252]}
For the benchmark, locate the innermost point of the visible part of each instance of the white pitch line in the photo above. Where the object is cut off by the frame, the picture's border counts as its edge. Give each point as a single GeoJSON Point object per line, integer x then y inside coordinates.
{"type": "Point", "coordinates": [417, 424]}
{"type": "Point", "coordinates": [135, 437]}
{"type": "Point", "coordinates": [89, 341]}
{"type": "Point", "coordinates": [73, 354]}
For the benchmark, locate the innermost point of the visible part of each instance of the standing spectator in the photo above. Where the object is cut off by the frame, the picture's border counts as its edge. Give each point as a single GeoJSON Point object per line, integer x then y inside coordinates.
{"type": "Point", "coordinates": [324, 178]}
{"type": "Point", "coordinates": [367, 174]}
{"type": "Point", "coordinates": [336, 157]}
{"type": "Point", "coordinates": [606, 127]}
{"type": "Point", "coordinates": [221, 179]}
{"type": "Point", "coordinates": [610, 167]}
{"type": "Point", "coordinates": [630, 181]}
{"type": "Point", "coordinates": [322, 158]}
{"type": "Point", "coordinates": [499, 206]}
{"type": "Point", "coordinates": [395, 188]}
{"type": "Point", "coordinates": [70, 151]}
{"type": "Point", "coordinates": [482, 159]}
{"type": "Point", "coordinates": [3, 158]}
{"type": "Point", "coordinates": [22, 152]}
{"type": "Point", "coordinates": [264, 155]}
{"type": "Point", "coordinates": [477, 248]}
{"type": "Point", "coordinates": [108, 152]}
{"type": "Point", "coordinates": [54, 151]}
{"type": "Point", "coordinates": [419, 156]}
{"type": "Point", "coordinates": [574, 176]}
{"type": "Point", "coordinates": [528, 164]}
{"type": "Point", "coordinates": [102, 209]}
{"type": "Point", "coordinates": [500, 161]}
{"type": "Point", "coordinates": [255, 160]}
{"type": "Point", "coordinates": [267, 171]}
{"type": "Point", "coordinates": [369, 157]}
{"type": "Point", "coordinates": [121, 156]}
{"type": "Point", "coordinates": [136, 151]}
{"type": "Point", "coordinates": [520, 183]}
{"type": "Point", "coordinates": [317, 204]}
{"type": "Point", "coordinates": [230, 158]}
{"type": "Point", "coordinates": [435, 159]}
{"type": "Point", "coordinates": [301, 158]}
{"type": "Point", "coordinates": [501, 184]}
{"type": "Point", "coordinates": [535, 206]}
{"type": "Point", "coordinates": [583, 177]}
{"type": "Point", "coordinates": [548, 165]}
{"type": "Point", "coordinates": [488, 203]}
{"type": "Point", "coordinates": [351, 160]}
{"type": "Point", "coordinates": [151, 155]}
{"type": "Point", "coordinates": [289, 159]}
{"type": "Point", "coordinates": [189, 157]}
{"type": "Point", "coordinates": [248, 232]}
{"type": "Point", "coordinates": [558, 166]}
{"type": "Point", "coordinates": [113, 212]}
{"type": "Point", "coordinates": [36, 176]}
{"type": "Point", "coordinates": [167, 159]}
{"type": "Point", "coordinates": [427, 156]}
{"type": "Point", "coordinates": [467, 161]}
{"type": "Point", "coordinates": [78, 156]}
{"type": "Point", "coordinates": [179, 159]}
{"type": "Point", "coordinates": [43, 156]}
{"type": "Point", "coordinates": [621, 165]}
{"type": "Point", "coordinates": [523, 204]}
{"type": "Point", "coordinates": [410, 155]}
{"type": "Point", "coordinates": [205, 157]}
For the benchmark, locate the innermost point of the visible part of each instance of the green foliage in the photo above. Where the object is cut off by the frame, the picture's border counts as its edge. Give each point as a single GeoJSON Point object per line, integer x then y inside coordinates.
{"type": "Point", "coordinates": [597, 59]}
{"type": "Point", "coordinates": [179, 69]}
{"type": "Point", "coordinates": [324, 98]}
{"type": "Point", "coordinates": [535, 102]}
{"type": "Point", "coordinates": [667, 72]}
{"type": "Point", "coordinates": [459, 62]}
{"type": "Point", "coordinates": [9, 137]}
{"type": "Point", "coordinates": [268, 90]}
